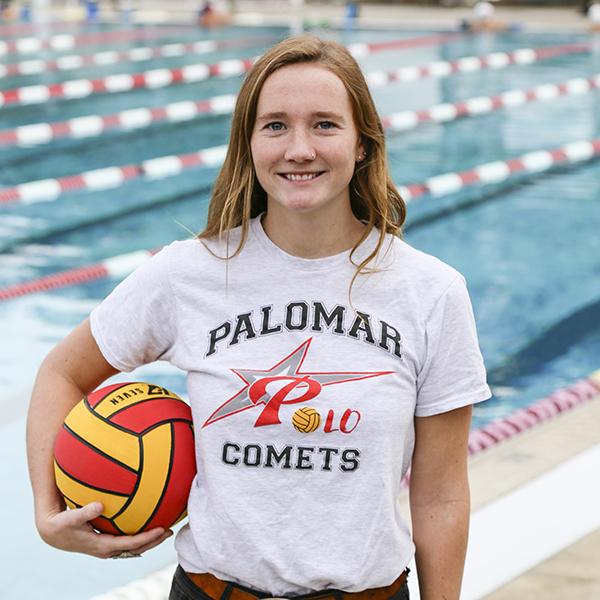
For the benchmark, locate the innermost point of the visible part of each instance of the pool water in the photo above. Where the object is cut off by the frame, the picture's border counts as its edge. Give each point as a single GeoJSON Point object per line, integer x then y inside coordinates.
{"type": "Point", "coordinates": [530, 249]}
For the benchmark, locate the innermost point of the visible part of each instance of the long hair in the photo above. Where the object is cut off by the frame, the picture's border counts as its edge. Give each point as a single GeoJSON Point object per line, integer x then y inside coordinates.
{"type": "Point", "coordinates": [238, 196]}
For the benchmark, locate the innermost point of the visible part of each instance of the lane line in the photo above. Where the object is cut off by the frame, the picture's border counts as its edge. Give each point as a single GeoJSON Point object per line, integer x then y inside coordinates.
{"type": "Point", "coordinates": [166, 166]}
{"type": "Point", "coordinates": [139, 118]}
{"type": "Point", "coordinates": [156, 78]}
{"type": "Point", "coordinates": [64, 42]}
{"type": "Point", "coordinates": [137, 54]}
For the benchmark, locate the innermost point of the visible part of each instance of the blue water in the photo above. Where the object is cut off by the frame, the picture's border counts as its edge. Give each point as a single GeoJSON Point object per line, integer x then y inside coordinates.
{"type": "Point", "coordinates": [529, 249]}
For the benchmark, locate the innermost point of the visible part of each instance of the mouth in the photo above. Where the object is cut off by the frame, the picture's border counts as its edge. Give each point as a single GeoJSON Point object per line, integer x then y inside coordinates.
{"type": "Point", "coordinates": [305, 176]}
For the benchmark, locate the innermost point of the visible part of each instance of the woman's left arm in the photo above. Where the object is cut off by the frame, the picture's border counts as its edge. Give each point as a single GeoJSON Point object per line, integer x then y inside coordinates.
{"type": "Point", "coordinates": [440, 502]}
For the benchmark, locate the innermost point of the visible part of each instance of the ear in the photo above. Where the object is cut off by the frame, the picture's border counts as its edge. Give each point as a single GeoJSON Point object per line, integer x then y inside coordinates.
{"type": "Point", "coordinates": [361, 153]}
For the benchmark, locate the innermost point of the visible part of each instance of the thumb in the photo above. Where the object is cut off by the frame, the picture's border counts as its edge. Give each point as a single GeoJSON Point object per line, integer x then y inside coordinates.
{"type": "Point", "coordinates": [88, 512]}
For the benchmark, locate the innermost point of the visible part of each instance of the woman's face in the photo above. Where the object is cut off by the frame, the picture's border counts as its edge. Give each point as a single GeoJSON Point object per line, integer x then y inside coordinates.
{"type": "Point", "coordinates": [304, 144]}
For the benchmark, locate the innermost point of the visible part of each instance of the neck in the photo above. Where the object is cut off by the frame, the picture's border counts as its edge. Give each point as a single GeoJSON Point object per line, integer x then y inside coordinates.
{"type": "Point", "coordinates": [312, 235]}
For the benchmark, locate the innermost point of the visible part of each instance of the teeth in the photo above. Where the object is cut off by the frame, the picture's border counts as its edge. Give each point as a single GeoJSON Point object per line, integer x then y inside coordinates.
{"type": "Point", "coordinates": [295, 177]}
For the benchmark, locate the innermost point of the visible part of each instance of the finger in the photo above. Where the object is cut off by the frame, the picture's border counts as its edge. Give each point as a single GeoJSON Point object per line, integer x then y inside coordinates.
{"type": "Point", "coordinates": [166, 535]}
{"type": "Point", "coordinates": [79, 516]}
{"type": "Point", "coordinates": [109, 545]}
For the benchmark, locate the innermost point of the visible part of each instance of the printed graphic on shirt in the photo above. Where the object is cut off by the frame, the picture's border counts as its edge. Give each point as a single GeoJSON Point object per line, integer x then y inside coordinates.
{"type": "Point", "coordinates": [288, 384]}
{"type": "Point", "coordinates": [291, 457]}
{"type": "Point", "coordinates": [305, 316]}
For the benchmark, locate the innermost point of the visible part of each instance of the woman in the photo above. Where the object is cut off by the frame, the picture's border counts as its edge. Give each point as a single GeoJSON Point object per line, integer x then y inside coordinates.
{"type": "Point", "coordinates": [323, 355]}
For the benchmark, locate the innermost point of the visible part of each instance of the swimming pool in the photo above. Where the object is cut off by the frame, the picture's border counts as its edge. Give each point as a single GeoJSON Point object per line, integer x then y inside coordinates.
{"type": "Point", "coordinates": [529, 248]}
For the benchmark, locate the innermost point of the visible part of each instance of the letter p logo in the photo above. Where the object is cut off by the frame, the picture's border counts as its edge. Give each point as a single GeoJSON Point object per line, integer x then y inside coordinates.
{"type": "Point", "coordinates": [270, 413]}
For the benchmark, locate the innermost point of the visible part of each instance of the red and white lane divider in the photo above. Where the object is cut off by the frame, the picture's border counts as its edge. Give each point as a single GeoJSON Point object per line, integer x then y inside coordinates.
{"type": "Point", "coordinates": [16, 29]}
{"type": "Point", "coordinates": [117, 267]}
{"type": "Point", "coordinates": [139, 118]}
{"type": "Point", "coordinates": [138, 54]}
{"type": "Point", "coordinates": [66, 41]}
{"type": "Point", "coordinates": [157, 78]}
{"type": "Point", "coordinates": [46, 190]}
{"type": "Point", "coordinates": [134, 118]}
{"type": "Point", "coordinates": [480, 105]}
{"type": "Point", "coordinates": [358, 50]}
{"type": "Point", "coordinates": [533, 163]}
{"type": "Point", "coordinates": [471, 64]}
{"type": "Point", "coordinates": [143, 53]}
{"type": "Point", "coordinates": [92, 125]}
{"type": "Point", "coordinates": [124, 82]}
{"type": "Point", "coordinates": [538, 412]}
{"type": "Point", "coordinates": [501, 170]}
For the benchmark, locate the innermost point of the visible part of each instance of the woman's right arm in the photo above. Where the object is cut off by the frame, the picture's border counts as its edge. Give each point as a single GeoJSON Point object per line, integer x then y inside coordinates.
{"type": "Point", "coordinates": [71, 370]}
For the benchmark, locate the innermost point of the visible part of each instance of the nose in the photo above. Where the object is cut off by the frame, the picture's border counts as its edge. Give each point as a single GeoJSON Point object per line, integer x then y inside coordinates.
{"type": "Point", "coordinates": [299, 148]}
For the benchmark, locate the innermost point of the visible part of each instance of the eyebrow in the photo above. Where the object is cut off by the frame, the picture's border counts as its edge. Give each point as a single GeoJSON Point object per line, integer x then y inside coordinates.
{"type": "Point", "coordinates": [319, 114]}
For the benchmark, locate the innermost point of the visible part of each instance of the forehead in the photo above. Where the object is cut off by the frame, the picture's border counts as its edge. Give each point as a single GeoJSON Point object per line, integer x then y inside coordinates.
{"type": "Point", "coordinates": [305, 86]}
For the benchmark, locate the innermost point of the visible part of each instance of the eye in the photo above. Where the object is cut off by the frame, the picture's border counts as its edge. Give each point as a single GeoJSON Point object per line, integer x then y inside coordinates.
{"type": "Point", "coordinates": [275, 126]}
{"type": "Point", "coordinates": [326, 125]}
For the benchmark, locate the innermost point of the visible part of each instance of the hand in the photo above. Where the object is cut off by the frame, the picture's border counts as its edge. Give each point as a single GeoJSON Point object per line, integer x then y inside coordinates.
{"type": "Point", "coordinates": [72, 531]}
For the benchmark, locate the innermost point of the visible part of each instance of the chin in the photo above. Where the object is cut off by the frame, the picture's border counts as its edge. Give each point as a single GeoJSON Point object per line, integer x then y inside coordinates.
{"type": "Point", "coordinates": [300, 204]}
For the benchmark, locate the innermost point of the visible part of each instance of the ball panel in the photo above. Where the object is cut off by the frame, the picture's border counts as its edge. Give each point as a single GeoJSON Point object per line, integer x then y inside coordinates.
{"type": "Point", "coordinates": [130, 394]}
{"type": "Point", "coordinates": [81, 494]}
{"type": "Point", "coordinates": [300, 420]}
{"type": "Point", "coordinates": [172, 506]}
{"type": "Point", "coordinates": [183, 515]}
{"type": "Point", "coordinates": [70, 504]}
{"type": "Point", "coordinates": [95, 397]}
{"type": "Point", "coordinates": [121, 445]}
{"type": "Point", "coordinates": [147, 413]}
{"type": "Point", "coordinates": [74, 456]}
{"type": "Point", "coordinates": [105, 525]}
{"type": "Point", "coordinates": [156, 451]}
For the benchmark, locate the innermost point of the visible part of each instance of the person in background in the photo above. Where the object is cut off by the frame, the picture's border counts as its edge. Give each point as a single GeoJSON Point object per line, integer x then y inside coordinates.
{"type": "Point", "coordinates": [6, 10]}
{"type": "Point", "coordinates": [209, 16]}
{"type": "Point", "coordinates": [324, 357]}
{"type": "Point", "coordinates": [584, 6]}
{"type": "Point", "coordinates": [351, 15]}
{"type": "Point", "coordinates": [91, 11]}
{"type": "Point", "coordinates": [484, 19]}
{"type": "Point", "coordinates": [593, 15]}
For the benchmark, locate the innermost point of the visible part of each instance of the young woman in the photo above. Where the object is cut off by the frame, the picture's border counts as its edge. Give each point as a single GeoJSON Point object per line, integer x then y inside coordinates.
{"type": "Point", "coordinates": [324, 356]}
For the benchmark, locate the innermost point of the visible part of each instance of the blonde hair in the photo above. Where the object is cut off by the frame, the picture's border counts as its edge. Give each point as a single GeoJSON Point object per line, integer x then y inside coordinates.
{"type": "Point", "coordinates": [237, 195]}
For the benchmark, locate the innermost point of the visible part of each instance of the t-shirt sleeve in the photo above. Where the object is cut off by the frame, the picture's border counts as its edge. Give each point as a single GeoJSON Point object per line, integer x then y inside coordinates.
{"type": "Point", "coordinates": [136, 324]}
{"type": "Point", "coordinates": [453, 373]}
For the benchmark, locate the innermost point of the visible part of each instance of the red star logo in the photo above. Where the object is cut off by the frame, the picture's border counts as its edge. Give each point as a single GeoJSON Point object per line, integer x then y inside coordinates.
{"type": "Point", "coordinates": [288, 371]}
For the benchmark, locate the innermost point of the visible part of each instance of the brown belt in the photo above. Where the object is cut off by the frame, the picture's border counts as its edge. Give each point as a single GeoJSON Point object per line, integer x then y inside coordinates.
{"type": "Point", "coordinates": [215, 588]}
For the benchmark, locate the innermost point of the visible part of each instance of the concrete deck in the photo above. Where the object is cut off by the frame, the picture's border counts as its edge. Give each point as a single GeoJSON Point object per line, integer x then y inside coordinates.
{"type": "Point", "coordinates": [392, 15]}
{"type": "Point", "coordinates": [573, 573]}
{"type": "Point", "coordinates": [505, 470]}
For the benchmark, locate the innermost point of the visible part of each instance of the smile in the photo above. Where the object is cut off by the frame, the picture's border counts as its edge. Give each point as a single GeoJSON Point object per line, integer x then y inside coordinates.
{"type": "Point", "coordinates": [301, 176]}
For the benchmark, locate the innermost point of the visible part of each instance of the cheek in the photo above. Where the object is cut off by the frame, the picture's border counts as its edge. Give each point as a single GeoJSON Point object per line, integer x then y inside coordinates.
{"type": "Point", "coordinates": [258, 161]}
{"type": "Point", "coordinates": [346, 163]}
{"type": "Point", "coordinates": [263, 155]}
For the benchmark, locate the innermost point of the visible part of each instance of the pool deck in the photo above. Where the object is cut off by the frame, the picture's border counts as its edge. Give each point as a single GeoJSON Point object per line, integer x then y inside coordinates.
{"type": "Point", "coordinates": [392, 15]}
{"type": "Point", "coordinates": [573, 571]}
{"type": "Point", "coordinates": [530, 469]}
{"type": "Point", "coordinates": [501, 482]}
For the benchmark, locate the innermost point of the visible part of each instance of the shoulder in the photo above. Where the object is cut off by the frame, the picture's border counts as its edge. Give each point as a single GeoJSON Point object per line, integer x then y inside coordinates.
{"type": "Point", "coordinates": [203, 249]}
{"type": "Point", "coordinates": [199, 260]}
{"type": "Point", "coordinates": [418, 267]}
{"type": "Point", "coordinates": [415, 277]}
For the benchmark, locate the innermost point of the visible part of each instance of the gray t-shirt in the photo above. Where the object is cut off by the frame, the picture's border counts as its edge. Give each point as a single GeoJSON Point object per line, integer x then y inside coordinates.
{"type": "Point", "coordinates": [303, 398]}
